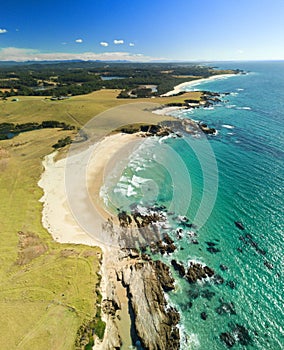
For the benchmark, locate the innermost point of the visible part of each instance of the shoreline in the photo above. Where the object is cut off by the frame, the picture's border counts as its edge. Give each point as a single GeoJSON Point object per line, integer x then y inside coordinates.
{"type": "Point", "coordinates": [179, 88]}
{"type": "Point", "coordinates": [63, 227]}
{"type": "Point", "coordinates": [97, 160]}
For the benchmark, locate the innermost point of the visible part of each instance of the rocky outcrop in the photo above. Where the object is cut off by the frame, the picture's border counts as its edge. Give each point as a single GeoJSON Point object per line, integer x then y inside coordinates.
{"type": "Point", "coordinates": [178, 267]}
{"type": "Point", "coordinates": [155, 322]}
{"type": "Point", "coordinates": [206, 129]}
{"type": "Point", "coordinates": [197, 272]}
{"type": "Point", "coordinates": [146, 129]}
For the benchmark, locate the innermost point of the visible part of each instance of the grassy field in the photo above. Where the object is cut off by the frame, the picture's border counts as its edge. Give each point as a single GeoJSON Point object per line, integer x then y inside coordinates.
{"type": "Point", "coordinates": [76, 110]}
{"type": "Point", "coordinates": [48, 290]}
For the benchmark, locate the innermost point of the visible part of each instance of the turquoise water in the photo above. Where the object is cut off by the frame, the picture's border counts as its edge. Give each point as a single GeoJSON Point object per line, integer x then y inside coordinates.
{"type": "Point", "coordinates": [243, 168]}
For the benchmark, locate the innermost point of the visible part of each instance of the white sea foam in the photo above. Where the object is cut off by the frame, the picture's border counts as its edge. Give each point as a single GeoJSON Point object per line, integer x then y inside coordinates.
{"type": "Point", "coordinates": [104, 194]}
{"type": "Point", "coordinates": [191, 234]}
{"type": "Point", "coordinates": [239, 89]}
{"type": "Point", "coordinates": [192, 342]}
{"type": "Point", "coordinates": [234, 93]}
{"type": "Point", "coordinates": [137, 181]}
{"type": "Point", "coordinates": [227, 126]}
{"type": "Point", "coordinates": [125, 189]}
{"type": "Point", "coordinates": [245, 108]}
{"type": "Point", "coordinates": [230, 106]}
{"type": "Point", "coordinates": [162, 139]}
{"type": "Point", "coordinates": [231, 133]}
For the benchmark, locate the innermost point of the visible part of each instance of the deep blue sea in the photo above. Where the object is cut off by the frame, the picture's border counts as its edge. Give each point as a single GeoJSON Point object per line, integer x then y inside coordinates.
{"type": "Point", "coordinates": [236, 175]}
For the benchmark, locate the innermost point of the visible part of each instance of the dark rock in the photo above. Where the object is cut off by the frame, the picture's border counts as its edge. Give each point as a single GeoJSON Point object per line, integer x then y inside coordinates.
{"type": "Point", "coordinates": [242, 334]}
{"type": "Point", "coordinates": [178, 267]}
{"type": "Point", "coordinates": [261, 251]}
{"type": "Point", "coordinates": [226, 308]}
{"type": "Point", "coordinates": [203, 315]}
{"type": "Point", "coordinates": [207, 294]}
{"type": "Point", "coordinates": [145, 257]}
{"type": "Point", "coordinates": [231, 284]}
{"type": "Point", "coordinates": [206, 129]}
{"type": "Point", "coordinates": [167, 239]}
{"type": "Point", "coordinates": [164, 275]}
{"type": "Point", "coordinates": [228, 339]}
{"type": "Point", "coordinates": [170, 248]}
{"type": "Point", "coordinates": [209, 272]}
{"type": "Point", "coordinates": [239, 225]}
{"type": "Point", "coordinates": [173, 316]}
{"type": "Point", "coordinates": [194, 241]}
{"type": "Point", "coordinates": [239, 250]}
{"type": "Point", "coordinates": [197, 272]}
{"type": "Point", "coordinates": [268, 264]}
{"type": "Point", "coordinates": [223, 267]}
{"type": "Point", "coordinates": [218, 279]}
{"type": "Point", "coordinates": [124, 219]}
{"type": "Point", "coordinates": [211, 244]}
{"type": "Point", "coordinates": [110, 307]}
{"type": "Point", "coordinates": [213, 250]}
{"type": "Point", "coordinates": [193, 293]}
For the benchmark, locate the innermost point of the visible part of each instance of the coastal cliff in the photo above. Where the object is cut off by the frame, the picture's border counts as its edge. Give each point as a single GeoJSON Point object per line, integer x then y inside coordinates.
{"type": "Point", "coordinates": [140, 285]}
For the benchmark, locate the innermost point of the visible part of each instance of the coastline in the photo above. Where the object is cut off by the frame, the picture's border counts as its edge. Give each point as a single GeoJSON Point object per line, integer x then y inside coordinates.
{"type": "Point", "coordinates": [179, 88]}
{"type": "Point", "coordinates": [118, 267]}
{"type": "Point", "coordinates": [64, 228]}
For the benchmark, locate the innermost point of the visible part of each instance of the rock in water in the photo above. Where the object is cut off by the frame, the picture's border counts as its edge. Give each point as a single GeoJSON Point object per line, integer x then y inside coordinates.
{"type": "Point", "coordinates": [228, 339]}
{"type": "Point", "coordinates": [239, 225]}
{"type": "Point", "coordinates": [178, 267]}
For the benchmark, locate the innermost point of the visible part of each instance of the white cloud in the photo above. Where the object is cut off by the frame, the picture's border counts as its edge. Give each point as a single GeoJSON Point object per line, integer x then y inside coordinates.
{"type": "Point", "coordinates": [131, 44]}
{"type": "Point", "coordinates": [2, 31]}
{"type": "Point", "coordinates": [103, 43]}
{"type": "Point", "coordinates": [118, 42]}
{"type": "Point", "coordinates": [22, 54]}
{"type": "Point", "coordinates": [79, 41]}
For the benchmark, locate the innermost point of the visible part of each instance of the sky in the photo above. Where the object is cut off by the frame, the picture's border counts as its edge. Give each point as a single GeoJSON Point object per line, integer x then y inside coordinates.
{"type": "Point", "coordinates": [142, 30]}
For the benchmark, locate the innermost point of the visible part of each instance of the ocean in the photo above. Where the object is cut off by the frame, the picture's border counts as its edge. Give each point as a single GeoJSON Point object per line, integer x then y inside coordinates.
{"type": "Point", "coordinates": [236, 175]}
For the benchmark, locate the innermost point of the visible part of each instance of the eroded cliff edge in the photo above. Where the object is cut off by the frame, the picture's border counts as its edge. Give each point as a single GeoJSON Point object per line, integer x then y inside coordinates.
{"type": "Point", "coordinates": [142, 283]}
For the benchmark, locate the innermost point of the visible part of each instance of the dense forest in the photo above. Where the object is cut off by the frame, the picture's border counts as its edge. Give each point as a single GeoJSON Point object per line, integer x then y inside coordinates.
{"type": "Point", "coordinates": [75, 78]}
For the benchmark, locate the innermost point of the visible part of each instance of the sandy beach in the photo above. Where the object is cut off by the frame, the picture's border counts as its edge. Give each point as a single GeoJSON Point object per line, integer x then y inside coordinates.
{"type": "Point", "coordinates": [64, 214]}
{"type": "Point", "coordinates": [182, 86]}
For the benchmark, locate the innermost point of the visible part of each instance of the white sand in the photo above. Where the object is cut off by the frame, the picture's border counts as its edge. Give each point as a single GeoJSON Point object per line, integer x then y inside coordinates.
{"type": "Point", "coordinates": [181, 87]}
{"type": "Point", "coordinates": [67, 223]}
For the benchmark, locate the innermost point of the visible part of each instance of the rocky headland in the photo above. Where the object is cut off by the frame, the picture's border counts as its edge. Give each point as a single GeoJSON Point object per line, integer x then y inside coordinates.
{"type": "Point", "coordinates": [140, 285]}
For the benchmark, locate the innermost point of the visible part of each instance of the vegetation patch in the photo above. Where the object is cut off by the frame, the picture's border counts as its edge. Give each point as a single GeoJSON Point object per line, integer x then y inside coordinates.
{"type": "Point", "coordinates": [46, 293]}
{"type": "Point", "coordinates": [30, 247]}
{"type": "Point", "coordinates": [10, 130]}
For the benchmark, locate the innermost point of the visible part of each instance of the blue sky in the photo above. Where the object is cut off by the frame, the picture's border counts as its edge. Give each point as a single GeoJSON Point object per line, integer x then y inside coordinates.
{"type": "Point", "coordinates": [142, 29]}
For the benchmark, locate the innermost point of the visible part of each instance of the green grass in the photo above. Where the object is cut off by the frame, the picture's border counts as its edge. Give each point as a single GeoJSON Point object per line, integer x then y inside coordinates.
{"type": "Point", "coordinates": [44, 302]}
{"type": "Point", "coordinates": [76, 110]}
